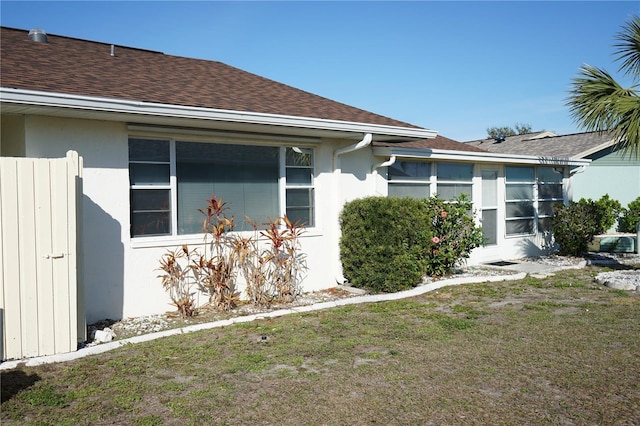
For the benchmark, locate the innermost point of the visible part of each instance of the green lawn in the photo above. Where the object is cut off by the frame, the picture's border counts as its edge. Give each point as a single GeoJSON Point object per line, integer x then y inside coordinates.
{"type": "Point", "coordinates": [561, 350]}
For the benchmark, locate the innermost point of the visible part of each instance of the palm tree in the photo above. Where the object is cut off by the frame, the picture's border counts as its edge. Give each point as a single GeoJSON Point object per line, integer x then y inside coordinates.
{"type": "Point", "coordinates": [598, 103]}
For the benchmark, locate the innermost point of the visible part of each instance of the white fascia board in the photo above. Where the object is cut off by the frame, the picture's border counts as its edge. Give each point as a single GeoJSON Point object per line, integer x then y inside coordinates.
{"type": "Point", "coordinates": [476, 157]}
{"type": "Point", "coordinates": [126, 107]}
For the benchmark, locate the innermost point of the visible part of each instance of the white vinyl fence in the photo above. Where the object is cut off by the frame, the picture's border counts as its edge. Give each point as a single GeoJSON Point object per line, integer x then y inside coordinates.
{"type": "Point", "coordinates": [41, 300]}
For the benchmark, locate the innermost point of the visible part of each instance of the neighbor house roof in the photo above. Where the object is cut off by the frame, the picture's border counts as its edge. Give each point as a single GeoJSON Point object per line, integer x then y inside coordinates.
{"type": "Point", "coordinates": [548, 144]}
{"type": "Point", "coordinates": [72, 66]}
{"type": "Point", "coordinates": [439, 142]}
{"type": "Point", "coordinates": [442, 148]}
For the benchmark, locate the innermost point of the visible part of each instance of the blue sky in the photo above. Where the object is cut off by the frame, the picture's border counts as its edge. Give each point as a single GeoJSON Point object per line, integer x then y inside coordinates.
{"type": "Point", "coordinates": [456, 67]}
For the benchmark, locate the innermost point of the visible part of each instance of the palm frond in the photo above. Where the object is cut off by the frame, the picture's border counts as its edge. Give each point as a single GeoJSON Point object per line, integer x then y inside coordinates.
{"type": "Point", "coordinates": [628, 47]}
{"type": "Point", "coordinates": [598, 103]}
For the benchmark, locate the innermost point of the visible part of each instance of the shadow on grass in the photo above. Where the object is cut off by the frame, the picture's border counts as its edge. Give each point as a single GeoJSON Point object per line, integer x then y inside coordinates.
{"type": "Point", "coordinates": [610, 261]}
{"type": "Point", "coordinates": [15, 381]}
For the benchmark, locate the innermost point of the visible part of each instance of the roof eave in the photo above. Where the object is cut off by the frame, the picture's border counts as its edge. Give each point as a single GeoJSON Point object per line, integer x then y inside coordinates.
{"type": "Point", "coordinates": [611, 142]}
{"type": "Point", "coordinates": [478, 157]}
{"type": "Point", "coordinates": [156, 113]}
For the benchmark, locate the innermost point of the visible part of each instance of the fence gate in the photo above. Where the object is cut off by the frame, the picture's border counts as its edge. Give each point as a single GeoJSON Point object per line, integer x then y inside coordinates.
{"type": "Point", "coordinates": [41, 302]}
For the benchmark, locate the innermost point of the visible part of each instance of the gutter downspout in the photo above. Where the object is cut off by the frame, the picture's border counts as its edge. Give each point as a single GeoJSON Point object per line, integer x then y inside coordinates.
{"type": "Point", "coordinates": [390, 162]}
{"type": "Point", "coordinates": [337, 171]}
{"type": "Point", "coordinates": [366, 141]}
{"type": "Point", "coordinates": [577, 170]}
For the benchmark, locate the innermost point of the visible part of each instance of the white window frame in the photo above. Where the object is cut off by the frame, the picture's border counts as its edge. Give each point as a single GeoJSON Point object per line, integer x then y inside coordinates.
{"type": "Point", "coordinates": [434, 173]}
{"type": "Point", "coordinates": [170, 238]}
{"type": "Point", "coordinates": [536, 200]}
{"type": "Point", "coordinates": [426, 183]}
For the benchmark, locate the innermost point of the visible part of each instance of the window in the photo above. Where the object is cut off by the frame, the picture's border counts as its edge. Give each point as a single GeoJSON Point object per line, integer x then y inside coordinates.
{"type": "Point", "coordinates": [150, 194]}
{"type": "Point", "coordinates": [549, 193]}
{"type": "Point", "coordinates": [409, 179]}
{"type": "Point", "coordinates": [171, 180]}
{"type": "Point", "coordinates": [519, 200]}
{"type": "Point", "coordinates": [454, 179]}
{"type": "Point", "coordinates": [414, 179]}
{"type": "Point", "coordinates": [299, 185]}
{"type": "Point", "coordinates": [530, 196]}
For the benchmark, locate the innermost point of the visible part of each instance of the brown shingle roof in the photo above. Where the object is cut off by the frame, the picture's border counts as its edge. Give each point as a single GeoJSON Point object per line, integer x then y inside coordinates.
{"type": "Point", "coordinates": [439, 142]}
{"type": "Point", "coordinates": [86, 68]}
{"type": "Point", "coordinates": [569, 146]}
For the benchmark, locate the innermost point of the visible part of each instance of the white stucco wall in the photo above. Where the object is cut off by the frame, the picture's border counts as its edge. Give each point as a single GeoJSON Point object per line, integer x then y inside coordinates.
{"type": "Point", "coordinates": [105, 204]}
{"type": "Point", "coordinates": [120, 273]}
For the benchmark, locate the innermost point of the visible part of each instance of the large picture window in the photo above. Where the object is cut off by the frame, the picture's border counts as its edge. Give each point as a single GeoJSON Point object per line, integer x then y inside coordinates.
{"type": "Point", "coordinates": [171, 180]}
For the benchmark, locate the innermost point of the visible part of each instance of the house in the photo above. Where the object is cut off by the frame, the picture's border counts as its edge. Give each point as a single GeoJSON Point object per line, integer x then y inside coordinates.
{"type": "Point", "coordinates": [159, 134]}
{"type": "Point", "coordinates": [610, 172]}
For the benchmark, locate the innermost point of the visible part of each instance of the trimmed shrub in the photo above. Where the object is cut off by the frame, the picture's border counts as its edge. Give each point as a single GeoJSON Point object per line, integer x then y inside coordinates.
{"type": "Point", "coordinates": [608, 211]}
{"type": "Point", "coordinates": [575, 225]}
{"type": "Point", "coordinates": [389, 244]}
{"type": "Point", "coordinates": [630, 217]}
{"type": "Point", "coordinates": [383, 242]}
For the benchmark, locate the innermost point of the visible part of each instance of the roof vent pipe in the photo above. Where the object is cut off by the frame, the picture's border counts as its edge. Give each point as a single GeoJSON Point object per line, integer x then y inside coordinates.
{"type": "Point", "coordinates": [113, 50]}
{"type": "Point", "coordinates": [38, 35]}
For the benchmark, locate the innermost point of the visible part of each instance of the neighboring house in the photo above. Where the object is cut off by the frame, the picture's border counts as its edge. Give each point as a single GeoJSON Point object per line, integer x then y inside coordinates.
{"type": "Point", "coordinates": [610, 172]}
{"type": "Point", "coordinates": [159, 134]}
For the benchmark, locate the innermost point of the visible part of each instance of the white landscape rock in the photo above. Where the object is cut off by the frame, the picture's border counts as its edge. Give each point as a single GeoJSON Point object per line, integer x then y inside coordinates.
{"type": "Point", "coordinates": [103, 336]}
{"type": "Point", "coordinates": [620, 280]}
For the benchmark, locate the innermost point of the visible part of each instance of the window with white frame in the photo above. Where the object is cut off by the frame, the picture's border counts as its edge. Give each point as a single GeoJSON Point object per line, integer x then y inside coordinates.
{"type": "Point", "coordinates": [299, 185]}
{"type": "Point", "coordinates": [150, 194]}
{"type": "Point", "coordinates": [531, 193]}
{"type": "Point", "coordinates": [409, 179]}
{"type": "Point", "coordinates": [454, 179]}
{"type": "Point", "coordinates": [415, 179]}
{"type": "Point", "coordinates": [549, 193]}
{"type": "Point", "coordinates": [171, 180]}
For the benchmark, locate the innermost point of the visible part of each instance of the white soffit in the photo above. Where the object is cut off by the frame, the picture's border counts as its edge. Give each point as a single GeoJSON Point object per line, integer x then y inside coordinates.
{"type": "Point", "coordinates": [20, 101]}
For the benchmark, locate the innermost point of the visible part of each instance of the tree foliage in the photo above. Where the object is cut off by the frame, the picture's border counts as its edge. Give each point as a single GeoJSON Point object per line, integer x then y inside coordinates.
{"type": "Point", "coordinates": [598, 103]}
{"type": "Point", "coordinates": [518, 129]}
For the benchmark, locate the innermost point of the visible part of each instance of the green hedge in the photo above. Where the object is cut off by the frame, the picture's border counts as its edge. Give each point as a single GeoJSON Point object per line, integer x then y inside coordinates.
{"type": "Point", "coordinates": [630, 217]}
{"type": "Point", "coordinates": [575, 224]}
{"type": "Point", "coordinates": [382, 244]}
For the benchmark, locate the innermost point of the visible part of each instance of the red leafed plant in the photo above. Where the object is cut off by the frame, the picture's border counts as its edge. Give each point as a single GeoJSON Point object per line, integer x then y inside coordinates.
{"type": "Point", "coordinates": [271, 271]}
{"type": "Point", "coordinates": [178, 281]}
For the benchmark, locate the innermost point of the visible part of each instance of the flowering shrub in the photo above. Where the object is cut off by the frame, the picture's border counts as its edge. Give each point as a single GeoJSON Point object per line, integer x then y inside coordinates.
{"type": "Point", "coordinates": [455, 234]}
